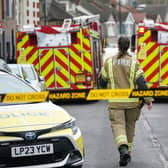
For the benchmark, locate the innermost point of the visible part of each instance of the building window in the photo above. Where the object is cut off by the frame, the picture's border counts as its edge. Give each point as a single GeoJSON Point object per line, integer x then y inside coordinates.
{"type": "Point", "coordinates": [10, 8]}
{"type": "Point", "coordinates": [27, 13]}
{"type": "Point", "coordinates": [34, 14]}
{"type": "Point", "coordinates": [38, 5]}
{"type": "Point", "coordinates": [38, 15]}
{"type": "Point", "coordinates": [27, 3]}
{"type": "Point", "coordinates": [34, 4]}
{"type": "Point", "coordinates": [27, 21]}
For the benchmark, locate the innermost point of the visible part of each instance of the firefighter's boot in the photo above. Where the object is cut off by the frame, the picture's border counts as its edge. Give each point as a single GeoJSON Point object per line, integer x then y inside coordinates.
{"type": "Point", "coordinates": [124, 155]}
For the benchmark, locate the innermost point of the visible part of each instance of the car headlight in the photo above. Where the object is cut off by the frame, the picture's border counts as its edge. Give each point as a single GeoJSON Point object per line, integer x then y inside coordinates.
{"type": "Point", "coordinates": [72, 124]}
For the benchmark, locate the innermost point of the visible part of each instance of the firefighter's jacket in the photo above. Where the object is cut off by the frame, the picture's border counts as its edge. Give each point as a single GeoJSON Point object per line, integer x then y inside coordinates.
{"type": "Point", "coordinates": [122, 74]}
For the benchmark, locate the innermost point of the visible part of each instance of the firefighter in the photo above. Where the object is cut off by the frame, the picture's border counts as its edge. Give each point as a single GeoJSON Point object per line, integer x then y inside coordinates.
{"type": "Point", "coordinates": [123, 72]}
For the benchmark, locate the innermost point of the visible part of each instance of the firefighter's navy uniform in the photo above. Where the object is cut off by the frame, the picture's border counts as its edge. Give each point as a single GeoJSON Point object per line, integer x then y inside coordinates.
{"type": "Point", "coordinates": [123, 113]}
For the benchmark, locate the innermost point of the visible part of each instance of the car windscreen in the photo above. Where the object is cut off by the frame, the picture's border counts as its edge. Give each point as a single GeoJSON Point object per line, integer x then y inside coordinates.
{"type": "Point", "coordinates": [11, 84]}
{"type": "Point", "coordinates": [15, 70]}
{"type": "Point", "coordinates": [28, 73]}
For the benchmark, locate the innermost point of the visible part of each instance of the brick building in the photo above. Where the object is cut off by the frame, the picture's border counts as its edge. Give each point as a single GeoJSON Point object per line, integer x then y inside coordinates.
{"type": "Point", "coordinates": [28, 12]}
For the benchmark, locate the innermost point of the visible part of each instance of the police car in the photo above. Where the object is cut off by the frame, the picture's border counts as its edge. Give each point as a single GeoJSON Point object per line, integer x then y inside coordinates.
{"type": "Point", "coordinates": [38, 134]}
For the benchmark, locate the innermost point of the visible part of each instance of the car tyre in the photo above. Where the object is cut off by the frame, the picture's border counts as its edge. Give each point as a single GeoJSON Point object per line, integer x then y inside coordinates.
{"type": "Point", "coordinates": [74, 167]}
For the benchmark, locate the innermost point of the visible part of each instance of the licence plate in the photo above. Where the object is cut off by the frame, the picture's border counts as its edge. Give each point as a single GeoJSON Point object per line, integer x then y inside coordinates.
{"type": "Point", "coordinates": [80, 78]}
{"type": "Point", "coordinates": [32, 150]}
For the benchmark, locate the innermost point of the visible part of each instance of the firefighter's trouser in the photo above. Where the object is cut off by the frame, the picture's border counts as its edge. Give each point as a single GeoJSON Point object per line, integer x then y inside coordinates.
{"type": "Point", "coordinates": [123, 125]}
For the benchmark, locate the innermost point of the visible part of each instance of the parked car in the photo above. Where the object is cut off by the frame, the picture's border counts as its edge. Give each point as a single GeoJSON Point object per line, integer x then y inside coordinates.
{"type": "Point", "coordinates": [28, 73]}
{"type": "Point", "coordinates": [38, 134]}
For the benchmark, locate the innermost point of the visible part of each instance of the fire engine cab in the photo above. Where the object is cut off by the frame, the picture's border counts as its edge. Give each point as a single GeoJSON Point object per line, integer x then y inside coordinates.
{"type": "Point", "coordinates": [68, 56]}
{"type": "Point", "coordinates": [152, 53]}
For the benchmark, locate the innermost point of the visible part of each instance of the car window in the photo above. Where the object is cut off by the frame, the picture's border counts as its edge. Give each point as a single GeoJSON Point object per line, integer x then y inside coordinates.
{"type": "Point", "coordinates": [11, 84]}
{"type": "Point", "coordinates": [15, 70]}
{"type": "Point", "coordinates": [28, 73]}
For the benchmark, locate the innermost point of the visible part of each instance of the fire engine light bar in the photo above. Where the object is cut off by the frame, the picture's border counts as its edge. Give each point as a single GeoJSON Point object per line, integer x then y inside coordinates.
{"type": "Point", "coordinates": [141, 29]}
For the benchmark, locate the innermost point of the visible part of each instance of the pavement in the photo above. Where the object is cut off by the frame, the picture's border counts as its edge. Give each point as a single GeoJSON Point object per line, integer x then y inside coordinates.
{"type": "Point", "coordinates": [149, 150]}
{"type": "Point", "coordinates": [156, 124]}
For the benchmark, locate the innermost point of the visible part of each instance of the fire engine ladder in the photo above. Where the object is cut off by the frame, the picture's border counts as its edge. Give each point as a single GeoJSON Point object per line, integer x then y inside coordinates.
{"type": "Point", "coordinates": [85, 20]}
{"type": "Point", "coordinates": [66, 25]}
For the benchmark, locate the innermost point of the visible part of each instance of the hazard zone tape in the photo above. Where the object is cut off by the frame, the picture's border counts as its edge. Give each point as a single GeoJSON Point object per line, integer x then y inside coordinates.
{"type": "Point", "coordinates": [89, 95]}
{"type": "Point", "coordinates": [102, 94]}
{"type": "Point", "coordinates": [105, 94]}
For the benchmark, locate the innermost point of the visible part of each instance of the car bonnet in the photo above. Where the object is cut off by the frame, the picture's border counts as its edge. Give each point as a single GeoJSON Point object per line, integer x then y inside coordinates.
{"type": "Point", "coordinates": [35, 116]}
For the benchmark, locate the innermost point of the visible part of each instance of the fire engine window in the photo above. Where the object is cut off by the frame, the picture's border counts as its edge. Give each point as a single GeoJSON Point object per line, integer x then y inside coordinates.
{"type": "Point", "coordinates": [154, 36]}
{"type": "Point", "coordinates": [33, 39]}
{"type": "Point", "coordinates": [74, 37]}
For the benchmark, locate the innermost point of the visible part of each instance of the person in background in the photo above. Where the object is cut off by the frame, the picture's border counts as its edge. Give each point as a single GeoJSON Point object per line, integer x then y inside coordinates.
{"type": "Point", "coordinates": [123, 72]}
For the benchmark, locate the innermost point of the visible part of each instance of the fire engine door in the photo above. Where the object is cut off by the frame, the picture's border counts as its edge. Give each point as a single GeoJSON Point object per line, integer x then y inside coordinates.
{"type": "Point", "coordinates": [54, 66]}
{"type": "Point", "coordinates": [163, 75]}
{"type": "Point", "coordinates": [62, 68]}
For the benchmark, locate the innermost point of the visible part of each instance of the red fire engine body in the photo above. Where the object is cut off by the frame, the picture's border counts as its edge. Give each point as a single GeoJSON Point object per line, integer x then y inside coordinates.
{"type": "Point", "coordinates": [152, 53]}
{"type": "Point", "coordinates": [67, 56]}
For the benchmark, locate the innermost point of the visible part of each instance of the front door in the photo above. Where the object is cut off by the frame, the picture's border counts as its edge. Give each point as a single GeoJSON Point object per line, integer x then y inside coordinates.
{"type": "Point", "coordinates": [54, 67]}
{"type": "Point", "coordinates": [47, 67]}
{"type": "Point", "coordinates": [62, 68]}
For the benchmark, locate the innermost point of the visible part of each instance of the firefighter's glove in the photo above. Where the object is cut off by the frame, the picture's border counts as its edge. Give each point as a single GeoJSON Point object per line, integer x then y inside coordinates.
{"type": "Point", "coordinates": [141, 82]}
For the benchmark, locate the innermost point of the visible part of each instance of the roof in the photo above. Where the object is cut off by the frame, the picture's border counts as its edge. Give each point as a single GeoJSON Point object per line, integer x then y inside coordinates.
{"type": "Point", "coordinates": [56, 12]}
{"type": "Point", "coordinates": [153, 11]}
{"type": "Point", "coordinates": [139, 16]}
{"type": "Point", "coordinates": [125, 10]}
{"type": "Point", "coordinates": [97, 7]}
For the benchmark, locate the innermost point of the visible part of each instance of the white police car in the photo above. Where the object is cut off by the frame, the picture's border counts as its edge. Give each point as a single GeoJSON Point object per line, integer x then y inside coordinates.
{"type": "Point", "coordinates": [41, 134]}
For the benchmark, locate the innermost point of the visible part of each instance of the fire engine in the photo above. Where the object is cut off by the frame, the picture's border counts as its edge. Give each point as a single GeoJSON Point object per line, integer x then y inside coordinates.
{"type": "Point", "coordinates": [68, 56]}
{"type": "Point", "coordinates": [152, 53]}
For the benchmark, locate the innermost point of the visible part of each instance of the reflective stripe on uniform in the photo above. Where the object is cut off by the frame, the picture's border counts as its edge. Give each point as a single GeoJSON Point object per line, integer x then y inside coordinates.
{"type": "Point", "coordinates": [130, 147]}
{"type": "Point", "coordinates": [132, 72]}
{"type": "Point", "coordinates": [111, 74]}
{"type": "Point", "coordinates": [140, 71]}
{"type": "Point", "coordinates": [125, 100]}
{"type": "Point", "coordinates": [121, 139]}
{"type": "Point", "coordinates": [103, 72]}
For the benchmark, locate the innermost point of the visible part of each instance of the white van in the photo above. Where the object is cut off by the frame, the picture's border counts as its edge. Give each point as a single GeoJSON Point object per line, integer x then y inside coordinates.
{"type": "Point", "coordinates": [28, 73]}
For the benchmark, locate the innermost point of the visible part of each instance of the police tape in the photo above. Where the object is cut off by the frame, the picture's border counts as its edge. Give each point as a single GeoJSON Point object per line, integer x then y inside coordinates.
{"type": "Point", "coordinates": [89, 95]}
{"type": "Point", "coordinates": [24, 97]}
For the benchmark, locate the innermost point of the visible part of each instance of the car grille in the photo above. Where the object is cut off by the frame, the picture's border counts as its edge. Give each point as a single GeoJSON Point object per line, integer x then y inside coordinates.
{"type": "Point", "coordinates": [62, 146]}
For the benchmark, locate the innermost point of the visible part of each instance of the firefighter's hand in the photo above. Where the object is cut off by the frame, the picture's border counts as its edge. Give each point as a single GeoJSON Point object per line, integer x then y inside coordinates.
{"type": "Point", "coordinates": [150, 106]}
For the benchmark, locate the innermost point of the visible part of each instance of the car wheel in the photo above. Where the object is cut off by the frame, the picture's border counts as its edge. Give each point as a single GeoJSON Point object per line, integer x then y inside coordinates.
{"type": "Point", "coordinates": [74, 167]}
